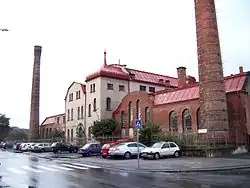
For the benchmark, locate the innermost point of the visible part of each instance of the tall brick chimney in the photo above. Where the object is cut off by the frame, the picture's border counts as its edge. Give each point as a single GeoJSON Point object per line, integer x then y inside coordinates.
{"type": "Point", "coordinates": [181, 72]}
{"type": "Point", "coordinates": [213, 104]}
{"type": "Point", "coordinates": [35, 95]}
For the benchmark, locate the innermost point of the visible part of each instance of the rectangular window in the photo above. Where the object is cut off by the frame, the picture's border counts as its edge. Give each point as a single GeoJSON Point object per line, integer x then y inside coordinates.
{"type": "Point", "coordinates": [121, 88]}
{"type": "Point", "coordinates": [58, 120]}
{"type": "Point", "coordinates": [72, 135]}
{"type": "Point", "coordinates": [71, 114]}
{"type": "Point", "coordinates": [63, 119]}
{"type": "Point", "coordinates": [78, 113]}
{"type": "Point", "coordinates": [89, 110]}
{"type": "Point", "coordinates": [152, 89]}
{"type": "Point", "coordinates": [70, 97]}
{"type": "Point", "coordinates": [78, 94]}
{"type": "Point", "coordinates": [81, 112]}
{"type": "Point", "coordinates": [110, 86]}
{"type": "Point", "coordinates": [142, 88]}
{"type": "Point", "coordinates": [68, 114]}
{"type": "Point", "coordinates": [93, 87]}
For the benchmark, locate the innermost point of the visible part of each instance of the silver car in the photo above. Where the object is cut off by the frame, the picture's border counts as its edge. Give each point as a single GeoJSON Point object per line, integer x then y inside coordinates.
{"type": "Point", "coordinates": [126, 149]}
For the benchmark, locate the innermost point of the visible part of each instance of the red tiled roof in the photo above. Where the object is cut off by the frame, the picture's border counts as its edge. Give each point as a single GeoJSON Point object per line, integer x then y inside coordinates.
{"type": "Point", "coordinates": [82, 86]}
{"type": "Point", "coordinates": [148, 77]}
{"type": "Point", "coordinates": [120, 72]}
{"type": "Point", "coordinates": [111, 71]}
{"type": "Point", "coordinates": [232, 84]}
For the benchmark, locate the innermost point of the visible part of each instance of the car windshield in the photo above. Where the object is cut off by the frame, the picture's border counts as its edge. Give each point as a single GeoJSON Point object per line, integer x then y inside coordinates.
{"type": "Point", "coordinates": [106, 146]}
{"type": "Point", "coordinates": [85, 146]}
{"type": "Point", "coordinates": [157, 145]}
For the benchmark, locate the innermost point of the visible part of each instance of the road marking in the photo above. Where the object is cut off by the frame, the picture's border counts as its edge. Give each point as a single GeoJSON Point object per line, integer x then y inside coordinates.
{"type": "Point", "coordinates": [46, 168]}
{"type": "Point", "coordinates": [77, 167]}
{"type": "Point", "coordinates": [31, 169]}
{"type": "Point", "coordinates": [60, 167]}
{"type": "Point", "coordinates": [16, 171]}
{"type": "Point", "coordinates": [89, 166]}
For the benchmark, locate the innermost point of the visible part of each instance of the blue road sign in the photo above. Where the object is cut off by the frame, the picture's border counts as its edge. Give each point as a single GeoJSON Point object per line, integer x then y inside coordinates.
{"type": "Point", "coordinates": [138, 124]}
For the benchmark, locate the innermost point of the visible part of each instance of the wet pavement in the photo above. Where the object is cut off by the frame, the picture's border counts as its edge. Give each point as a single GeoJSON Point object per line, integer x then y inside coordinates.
{"type": "Point", "coordinates": [22, 171]}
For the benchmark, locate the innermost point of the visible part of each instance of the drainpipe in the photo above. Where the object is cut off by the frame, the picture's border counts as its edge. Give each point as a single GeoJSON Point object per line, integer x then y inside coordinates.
{"type": "Point", "coordinates": [65, 127]}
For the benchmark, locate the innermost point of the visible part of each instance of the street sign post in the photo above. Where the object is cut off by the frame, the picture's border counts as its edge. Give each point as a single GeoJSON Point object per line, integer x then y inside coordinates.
{"type": "Point", "coordinates": [138, 125]}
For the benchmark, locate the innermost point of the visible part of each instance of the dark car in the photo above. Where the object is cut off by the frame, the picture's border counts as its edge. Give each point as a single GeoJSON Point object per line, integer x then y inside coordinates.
{"type": "Point", "coordinates": [105, 148]}
{"type": "Point", "coordinates": [90, 149]}
{"type": "Point", "coordinates": [58, 147]}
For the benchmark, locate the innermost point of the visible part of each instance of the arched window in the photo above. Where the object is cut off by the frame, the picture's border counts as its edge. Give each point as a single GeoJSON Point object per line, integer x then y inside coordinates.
{"type": "Point", "coordinates": [94, 105]}
{"type": "Point", "coordinates": [187, 121]}
{"type": "Point", "coordinates": [147, 115]}
{"type": "Point", "coordinates": [108, 104]}
{"type": "Point", "coordinates": [173, 122]}
{"type": "Point", "coordinates": [89, 114]}
{"type": "Point", "coordinates": [198, 116]}
{"type": "Point", "coordinates": [138, 113]}
{"type": "Point", "coordinates": [123, 120]}
{"type": "Point", "coordinates": [130, 114]}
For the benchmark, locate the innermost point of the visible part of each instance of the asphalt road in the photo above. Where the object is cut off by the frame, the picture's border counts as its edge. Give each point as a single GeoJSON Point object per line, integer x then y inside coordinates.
{"type": "Point", "coordinates": [22, 171]}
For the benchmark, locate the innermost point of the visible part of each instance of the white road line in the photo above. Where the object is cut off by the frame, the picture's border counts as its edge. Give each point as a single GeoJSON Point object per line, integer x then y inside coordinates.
{"type": "Point", "coordinates": [16, 171]}
{"type": "Point", "coordinates": [31, 169]}
{"type": "Point", "coordinates": [60, 167]}
{"type": "Point", "coordinates": [77, 167]}
{"type": "Point", "coordinates": [46, 168]}
{"type": "Point", "coordinates": [89, 166]}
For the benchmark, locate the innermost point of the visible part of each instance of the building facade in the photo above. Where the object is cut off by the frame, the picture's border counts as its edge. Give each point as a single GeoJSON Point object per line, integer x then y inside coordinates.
{"type": "Point", "coordinates": [102, 93]}
{"type": "Point", "coordinates": [178, 110]}
{"type": "Point", "coordinates": [52, 123]}
{"type": "Point", "coordinates": [75, 111]}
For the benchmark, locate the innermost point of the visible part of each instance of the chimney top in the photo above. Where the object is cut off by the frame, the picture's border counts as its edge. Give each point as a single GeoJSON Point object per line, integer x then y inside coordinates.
{"type": "Point", "coordinates": [241, 69]}
{"type": "Point", "coordinates": [181, 68]}
{"type": "Point", "coordinates": [38, 47]}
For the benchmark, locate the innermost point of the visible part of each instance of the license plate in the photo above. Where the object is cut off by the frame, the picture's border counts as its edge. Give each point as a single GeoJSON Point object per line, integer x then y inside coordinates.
{"type": "Point", "coordinates": [144, 154]}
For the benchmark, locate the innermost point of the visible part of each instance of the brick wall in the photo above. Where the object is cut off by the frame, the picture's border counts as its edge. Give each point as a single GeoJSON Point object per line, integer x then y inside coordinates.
{"type": "Point", "coordinates": [160, 114]}
{"type": "Point", "coordinates": [146, 100]}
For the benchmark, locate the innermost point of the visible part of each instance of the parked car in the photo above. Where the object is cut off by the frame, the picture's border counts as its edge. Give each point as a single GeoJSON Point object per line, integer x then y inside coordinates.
{"type": "Point", "coordinates": [42, 147]}
{"type": "Point", "coordinates": [16, 146]}
{"type": "Point", "coordinates": [58, 147]}
{"type": "Point", "coordinates": [24, 147]}
{"type": "Point", "coordinates": [91, 149]}
{"type": "Point", "coordinates": [126, 149]}
{"type": "Point", "coordinates": [160, 150]}
{"type": "Point", "coordinates": [105, 148]}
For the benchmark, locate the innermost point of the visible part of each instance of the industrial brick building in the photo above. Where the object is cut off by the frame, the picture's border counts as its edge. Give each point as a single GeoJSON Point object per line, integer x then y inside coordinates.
{"type": "Point", "coordinates": [178, 110]}
{"type": "Point", "coordinates": [50, 124]}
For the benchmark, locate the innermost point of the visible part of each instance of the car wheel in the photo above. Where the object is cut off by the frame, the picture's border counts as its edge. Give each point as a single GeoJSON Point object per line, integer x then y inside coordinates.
{"type": "Point", "coordinates": [104, 157]}
{"type": "Point", "coordinates": [156, 156]}
{"type": "Point", "coordinates": [59, 151]}
{"type": "Point", "coordinates": [176, 154]}
{"type": "Point", "coordinates": [127, 155]}
{"type": "Point", "coordinates": [43, 150]}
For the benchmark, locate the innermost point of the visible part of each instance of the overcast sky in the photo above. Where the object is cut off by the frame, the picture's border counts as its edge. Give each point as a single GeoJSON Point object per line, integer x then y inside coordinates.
{"type": "Point", "coordinates": [150, 35]}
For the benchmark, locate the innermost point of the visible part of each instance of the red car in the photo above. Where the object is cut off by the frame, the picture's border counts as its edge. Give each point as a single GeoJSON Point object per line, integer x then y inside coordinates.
{"type": "Point", "coordinates": [105, 148]}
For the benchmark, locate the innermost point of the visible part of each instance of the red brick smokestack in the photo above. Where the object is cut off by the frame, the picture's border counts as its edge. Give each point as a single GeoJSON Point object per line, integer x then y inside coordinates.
{"type": "Point", "coordinates": [181, 72]}
{"type": "Point", "coordinates": [35, 95]}
{"type": "Point", "coordinates": [213, 104]}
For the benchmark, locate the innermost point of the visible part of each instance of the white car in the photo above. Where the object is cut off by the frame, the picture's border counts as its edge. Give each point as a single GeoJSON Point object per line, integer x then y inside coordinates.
{"type": "Point", "coordinates": [126, 149]}
{"type": "Point", "coordinates": [160, 150]}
